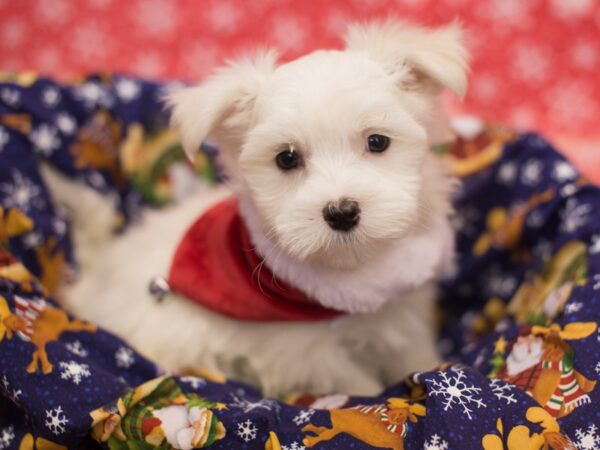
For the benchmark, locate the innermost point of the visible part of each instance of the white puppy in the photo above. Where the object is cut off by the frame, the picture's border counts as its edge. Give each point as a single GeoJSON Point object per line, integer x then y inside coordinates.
{"type": "Point", "coordinates": [329, 157]}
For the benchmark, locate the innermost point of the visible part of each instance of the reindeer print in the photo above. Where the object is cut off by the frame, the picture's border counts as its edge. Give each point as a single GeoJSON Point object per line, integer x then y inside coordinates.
{"type": "Point", "coordinates": [38, 322]}
{"type": "Point", "coordinates": [381, 426]}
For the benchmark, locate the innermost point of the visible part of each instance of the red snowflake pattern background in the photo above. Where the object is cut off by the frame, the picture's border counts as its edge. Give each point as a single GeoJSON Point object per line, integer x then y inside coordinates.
{"type": "Point", "coordinates": [535, 63]}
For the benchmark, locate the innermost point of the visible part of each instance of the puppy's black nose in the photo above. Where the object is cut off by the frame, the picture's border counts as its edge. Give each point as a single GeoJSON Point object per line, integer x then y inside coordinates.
{"type": "Point", "coordinates": [342, 215]}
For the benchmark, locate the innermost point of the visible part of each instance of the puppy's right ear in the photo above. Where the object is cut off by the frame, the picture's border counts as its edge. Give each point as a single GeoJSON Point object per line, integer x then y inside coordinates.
{"type": "Point", "coordinates": [418, 58]}
{"type": "Point", "coordinates": [223, 104]}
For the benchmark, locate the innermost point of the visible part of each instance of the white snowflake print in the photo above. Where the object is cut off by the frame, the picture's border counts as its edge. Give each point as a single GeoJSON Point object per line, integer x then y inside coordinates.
{"type": "Point", "coordinates": [223, 16]}
{"type": "Point", "coordinates": [289, 33]}
{"type": "Point", "coordinates": [45, 139]}
{"type": "Point", "coordinates": [507, 173]}
{"type": "Point", "coordinates": [564, 171]}
{"type": "Point", "coordinates": [74, 371]}
{"type": "Point", "coordinates": [96, 180]}
{"type": "Point", "coordinates": [574, 216]}
{"type": "Point", "coordinates": [485, 86]}
{"type": "Point", "coordinates": [597, 368]}
{"type": "Point", "coordinates": [570, 100]}
{"type": "Point", "coordinates": [55, 12]}
{"type": "Point", "coordinates": [59, 226]}
{"type": "Point", "coordinates": [584, 54]}
{"type": "Point", "coordinates": [587, 439]}
{"type": "Point", "coordinates": [4, 138]}
{"type": "Point", "coordinates": [32, 239]}
{"type": "Point", "coordinates": [515, 11]}
{"type": "Point", "coordinates": [76, 348]}
{"type": "Point", "coordinates": [531, 62]}
{"type": "Point", "coordinates": [10, 96]}
{"type": "Point", "coordinates": [13, 32]}
{"type": "Point", "coordinates": [124, 357]}
{"type": "Point", "coordinates": [531, 173]}
{"type": "Point", "coordinates": [127, 89]}
{"type": "Point", "coordinates": [92, 95]}
{"type": "Point", "coordinates": [22, 193]}
{"type": "Point", "coordinates": [14, 394]}
{"type": "Point", "coordinates": [595, 245]}
{"type": "Point", "coordinates": [65, 123]}
{"type": "Point", "coordinates": [303, 416]}
{"type": "Point", "coordinates": [7, 435]}
{"type": "Point", "coordinates": [56, 420]}
{"type": "Point", "coordinates": [522, 117]}
{"type": "Point", "coordinates": [47, 58]}
{"type": "Point", "coordinates": [499, 283]}
{"type": "Point", "coordinates": [293, 446]}
{"type": "Point", "coordinates": [90, 40]}
{"type": "Point", "coordinates": [156, 17]}
{"type": "Point", "coordinates": [246, 430]}
{"type": "Point", "coordinates": [568, 190]}
{"type": "Point", "coordinates": [50, 96]}
{"type": "Point", "coordinates": [596, 283]}
{"type": "Point", "coordinates": [503, 390]}
{"type": "Point", "coordinates": [573, 307]}
{"type": "Point", "coordinates": [456, 392]}
{"type": "Point", "coordinates": [502, 326]}
{"type": "Point", "coordinates": [435, 443]}
{"type": "Point", "coordinates": [248, 405]}
{"type": "Point", "coordinates": [99, 3]}
{"type": "Point", "coordinates": [194, 382]}
{"type": "Point", "coordinates": [574, 9]}
{"type": "Point", "coordinates": [481, 358]}
{"type": "Point", "coordinates": [147, 64]}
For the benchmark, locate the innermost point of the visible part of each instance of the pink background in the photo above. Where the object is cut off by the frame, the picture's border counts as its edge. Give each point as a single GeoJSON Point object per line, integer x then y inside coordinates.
{"type": "Point", "coordinates": [536, 63]}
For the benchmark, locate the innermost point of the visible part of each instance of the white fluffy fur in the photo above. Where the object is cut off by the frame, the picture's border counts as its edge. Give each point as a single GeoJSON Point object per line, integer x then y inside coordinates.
{"type": "Point", "coordinates": [383, 272]}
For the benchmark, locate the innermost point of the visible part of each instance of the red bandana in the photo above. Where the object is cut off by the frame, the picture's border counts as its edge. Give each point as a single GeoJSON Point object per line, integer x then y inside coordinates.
{"type": "Point", "coordinates": [215, 265]}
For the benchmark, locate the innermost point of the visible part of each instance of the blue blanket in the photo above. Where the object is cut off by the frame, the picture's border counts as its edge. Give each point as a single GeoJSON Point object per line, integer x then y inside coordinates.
{"type": "Point", "coordinates": [519, 316]}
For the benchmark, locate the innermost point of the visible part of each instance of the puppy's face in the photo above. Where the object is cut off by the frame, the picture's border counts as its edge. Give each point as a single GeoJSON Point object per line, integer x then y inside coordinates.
{"type": "Point", "coordinates": [332, 160]}
{"type": "Point", "coordinates": [329, 149]}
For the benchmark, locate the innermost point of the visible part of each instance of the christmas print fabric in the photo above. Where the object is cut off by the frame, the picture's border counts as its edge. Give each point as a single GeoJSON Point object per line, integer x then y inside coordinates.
{"type": "Point", "coordinates": [521, 312]}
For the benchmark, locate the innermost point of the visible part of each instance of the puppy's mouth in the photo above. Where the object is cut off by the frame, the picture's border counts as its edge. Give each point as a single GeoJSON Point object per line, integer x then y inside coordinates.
{"type": "Point", "coordinates": [334, 249]}
{"type": "Point", "coordinates": [345, 249]}
{"type": "Point", "coordinates": [346, 238]}
{"type": "Point", "coordinates": [341, 237]}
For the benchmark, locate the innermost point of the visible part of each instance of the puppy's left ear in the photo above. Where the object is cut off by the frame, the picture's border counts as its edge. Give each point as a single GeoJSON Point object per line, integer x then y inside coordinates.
{"type": "Point", "coordinates": [418, 58]}
{"type": "Point", "coordinates": [222, 106]}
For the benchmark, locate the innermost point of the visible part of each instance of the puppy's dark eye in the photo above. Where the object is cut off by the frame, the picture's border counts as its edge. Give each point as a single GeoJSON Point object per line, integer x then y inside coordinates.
{"type": "Point", "coordinates": [377, 143]}
{"type": "Point", "coordinates": [287, 160]}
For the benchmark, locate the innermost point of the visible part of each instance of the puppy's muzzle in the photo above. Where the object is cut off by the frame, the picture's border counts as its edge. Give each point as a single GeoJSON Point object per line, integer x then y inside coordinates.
{"type": "Point", "coordinates": [342, 215]}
